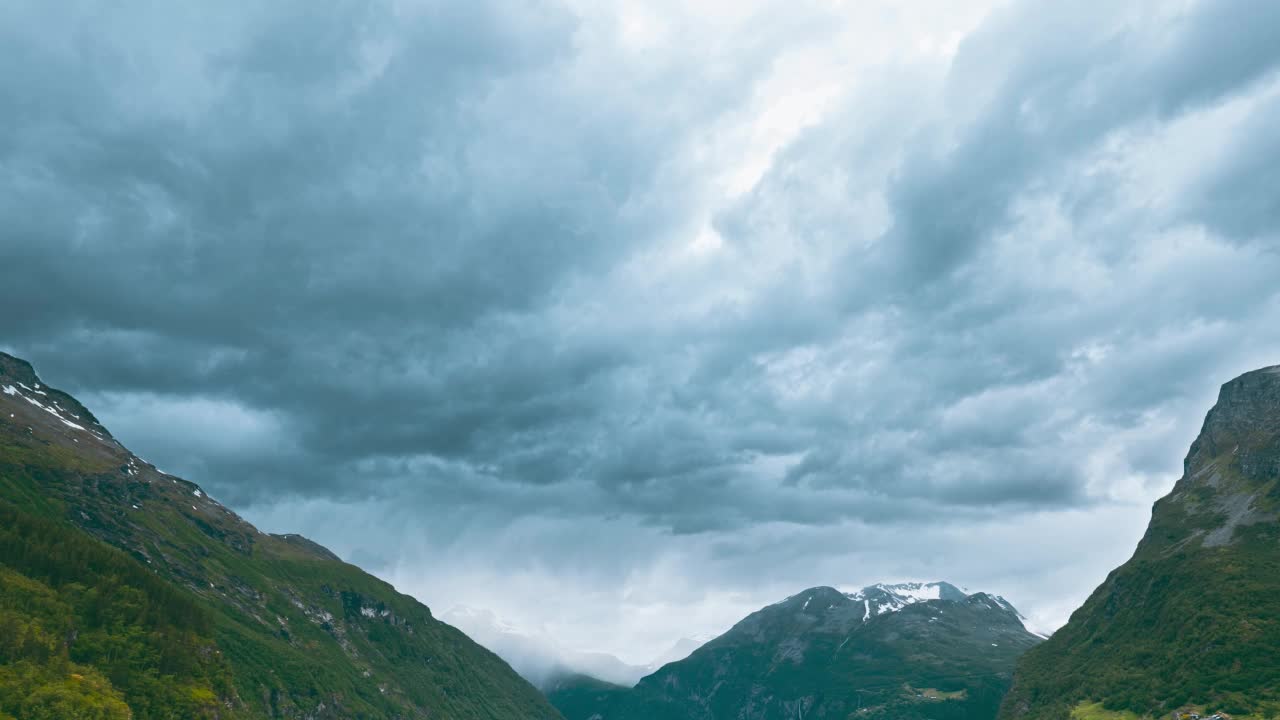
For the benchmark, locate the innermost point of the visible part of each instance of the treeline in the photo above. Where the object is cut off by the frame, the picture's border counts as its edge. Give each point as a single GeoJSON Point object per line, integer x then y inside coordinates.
{"type": "Point", "coordinates": [88, 632]}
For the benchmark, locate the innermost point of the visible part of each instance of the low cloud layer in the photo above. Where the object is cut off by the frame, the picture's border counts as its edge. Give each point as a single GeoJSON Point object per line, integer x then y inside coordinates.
{"type": "Point", "coordinates": [653, 314]}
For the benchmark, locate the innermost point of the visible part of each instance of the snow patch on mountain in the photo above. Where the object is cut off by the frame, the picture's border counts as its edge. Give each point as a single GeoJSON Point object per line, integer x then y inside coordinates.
{"type": "Point", "coordinates": [53, 408]}
{"type": "Point", "coordinates": [883, 598]}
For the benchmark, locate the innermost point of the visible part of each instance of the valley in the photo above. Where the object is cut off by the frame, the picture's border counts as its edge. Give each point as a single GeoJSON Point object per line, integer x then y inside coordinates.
{"type": "Point", "coordinates": [129, 593]}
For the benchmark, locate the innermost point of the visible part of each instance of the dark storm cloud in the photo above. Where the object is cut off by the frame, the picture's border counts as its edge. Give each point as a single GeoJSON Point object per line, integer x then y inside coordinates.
{"type": "Point", "coordinates": [277, 182]}
{"type": "Point", "coordinates": [346, 214]}
{"type": "Point", "coordinates": [432, 261]}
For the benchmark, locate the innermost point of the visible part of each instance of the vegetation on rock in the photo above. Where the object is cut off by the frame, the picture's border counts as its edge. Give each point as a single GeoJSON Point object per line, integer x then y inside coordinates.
{"type": "Point", "coordinates": [1193, 619]}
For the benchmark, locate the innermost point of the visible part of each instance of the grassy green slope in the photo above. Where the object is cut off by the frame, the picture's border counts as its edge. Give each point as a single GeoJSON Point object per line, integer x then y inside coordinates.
{"type": "Point", "coordinates": [1193, 619]}
{"type": "Point", "coordinates": [295, 631]}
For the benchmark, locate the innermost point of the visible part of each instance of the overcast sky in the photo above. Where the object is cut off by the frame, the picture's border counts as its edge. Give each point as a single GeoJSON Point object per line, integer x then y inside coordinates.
{"type": "Point", "coordinates": [623, 319]}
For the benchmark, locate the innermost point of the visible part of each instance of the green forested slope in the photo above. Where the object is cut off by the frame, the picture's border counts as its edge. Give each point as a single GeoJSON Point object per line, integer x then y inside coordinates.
{"type": "Point", "coordinates": [1193, 619]}
{"type": "Point", "coordinates": [124, 586]}
{"type": "Point", "coordinates": [579, 696]}
{"type": "Point", "coordinates": [86, 632]}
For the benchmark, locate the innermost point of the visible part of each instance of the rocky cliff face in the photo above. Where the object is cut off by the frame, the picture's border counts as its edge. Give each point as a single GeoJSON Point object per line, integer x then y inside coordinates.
{"type": "Point", "coordinates": [1231, 471]}
{"type": "Point", "coordinates": [1193, 619]}
{"type": "Point", "coordinates": [303, 634]}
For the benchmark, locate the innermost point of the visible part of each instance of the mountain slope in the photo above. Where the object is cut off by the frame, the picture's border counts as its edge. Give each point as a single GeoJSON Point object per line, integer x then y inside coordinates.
{"type": "Point", "coordinates": [679, 650]}
{"type": "Point", "coordinates": [908, 651]}
{"type": "Point", "coordinates": [125, 586]}
{"type": "Point", "coordinates": [582, 696]}
{"type": "Point", "coordinates": [1193, 619]}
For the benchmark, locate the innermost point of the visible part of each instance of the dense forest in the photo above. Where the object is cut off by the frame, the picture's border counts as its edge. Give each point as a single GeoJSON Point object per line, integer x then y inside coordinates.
{"type": "Point", "coordinates": [86, 632]}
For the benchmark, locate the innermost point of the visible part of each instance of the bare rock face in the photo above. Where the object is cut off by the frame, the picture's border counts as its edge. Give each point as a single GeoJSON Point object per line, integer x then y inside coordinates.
{"type": "Point", "coordinates": [1245, 426]}
{"type": "Point", "coordinates": [1229, 475]}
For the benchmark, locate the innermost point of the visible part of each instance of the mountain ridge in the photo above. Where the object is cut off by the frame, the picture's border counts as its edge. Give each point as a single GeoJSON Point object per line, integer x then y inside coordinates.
{"type": "Point", "coordinates": [1191, 622]}
{"type": "Point", "coordinates": [286, 628]}
{"type": "Point", "coordinates": [920, 650]}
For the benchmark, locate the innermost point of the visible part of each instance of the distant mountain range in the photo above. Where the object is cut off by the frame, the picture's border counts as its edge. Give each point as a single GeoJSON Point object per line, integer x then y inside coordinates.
{"type": "Point", "coordinates": [915, 650]}
{"type": "Point", "coordinates": [129, 594]}
{"type": "Point", "coordinates": [542, 660]}
{"type": "Point", "coordinates": [1190, 624]}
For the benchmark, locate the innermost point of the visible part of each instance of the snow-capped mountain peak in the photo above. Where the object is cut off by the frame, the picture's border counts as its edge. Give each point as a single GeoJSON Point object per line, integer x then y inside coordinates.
{"type": "Point", "coordinates": [884, 598]}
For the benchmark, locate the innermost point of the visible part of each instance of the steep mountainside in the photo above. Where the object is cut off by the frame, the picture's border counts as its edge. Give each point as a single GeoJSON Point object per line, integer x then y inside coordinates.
{"type": "Point", "coordinates": [127, 592]}
{"type": "Point", "coordinates": [1193, 619]}
{"type": "Point", "coordinates": [907, 651]}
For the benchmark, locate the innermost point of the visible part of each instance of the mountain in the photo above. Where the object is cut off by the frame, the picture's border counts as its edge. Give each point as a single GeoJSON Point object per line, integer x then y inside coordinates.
{"type": "Point", "coordinates": [680, 650]}
{"type": "Point", "coordinates": [917, 650]}
{"type": "Point", "coordinates": [538, 656]}
{"type": "Point", "coordinates": [1192, 620]}
{"type": "Point", "coordinates": [581, 693]}
{"type": "Point", "coordinates": [582, 697]}
{"type": "Point", "coordinates": [126, 592]}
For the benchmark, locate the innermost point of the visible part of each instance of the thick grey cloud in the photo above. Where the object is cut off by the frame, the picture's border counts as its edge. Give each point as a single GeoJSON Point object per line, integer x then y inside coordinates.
{"type": "Point", "coordinates": [1059, 80]}
{"type": "Point", "coordinates": [633, 304]}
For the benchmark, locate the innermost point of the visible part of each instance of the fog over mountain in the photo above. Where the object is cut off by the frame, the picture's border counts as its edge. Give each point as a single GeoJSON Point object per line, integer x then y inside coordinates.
{"type": "Point", "coordinates": [537, 655]}
{"type": "Point", "coordinates": [622, 320]}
